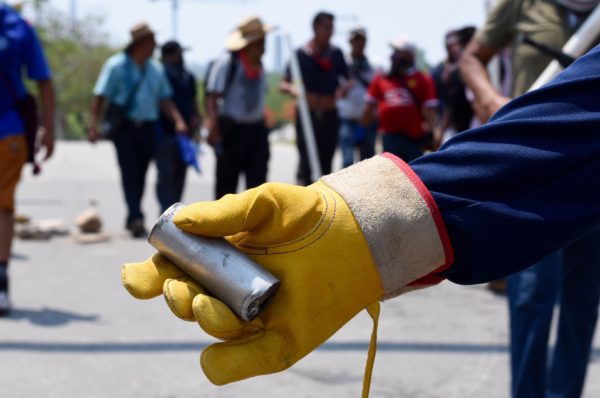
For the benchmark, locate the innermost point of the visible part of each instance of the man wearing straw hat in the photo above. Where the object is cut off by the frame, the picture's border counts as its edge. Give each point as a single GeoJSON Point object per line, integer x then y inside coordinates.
{"type": "Point", "coordinates": [137, 89]}
{"type": "Point", "coordinates": [570, 276]}
{"type": "Point", "coordinates": [236, 91]}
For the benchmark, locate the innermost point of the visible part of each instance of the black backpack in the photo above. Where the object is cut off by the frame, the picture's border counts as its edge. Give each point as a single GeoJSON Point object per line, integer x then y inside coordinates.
{"type": "Point", "coordinates": [231, 69]}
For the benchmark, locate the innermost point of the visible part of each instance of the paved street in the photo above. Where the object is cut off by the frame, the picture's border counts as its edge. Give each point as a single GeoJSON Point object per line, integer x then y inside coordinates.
{"type": "Point", "coordinates": [75, 332]}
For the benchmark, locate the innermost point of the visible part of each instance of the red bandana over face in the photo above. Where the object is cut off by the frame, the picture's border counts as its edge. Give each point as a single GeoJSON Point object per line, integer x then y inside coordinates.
{"type": "Point", "coordinates": [324, 61]}
{"type": "Point", "coordinates": [252, 72]}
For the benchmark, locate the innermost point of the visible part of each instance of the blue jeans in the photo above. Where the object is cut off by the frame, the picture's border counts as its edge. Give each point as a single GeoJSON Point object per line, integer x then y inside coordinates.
{"type": "Point", "coordinates": [571, 277]}
{"type": "Point", "coordinates": [402, 146]}
{"type": "Point", "coordinates": [348, 142]}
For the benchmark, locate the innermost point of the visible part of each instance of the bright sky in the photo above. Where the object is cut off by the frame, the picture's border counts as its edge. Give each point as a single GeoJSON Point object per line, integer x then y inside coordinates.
{"type": "Point", "coordinates": [204, 24]}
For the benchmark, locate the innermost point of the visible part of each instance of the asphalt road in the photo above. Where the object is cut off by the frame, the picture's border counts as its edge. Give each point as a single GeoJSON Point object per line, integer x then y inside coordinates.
{"type": "Point", "coordinates": [75, 332]}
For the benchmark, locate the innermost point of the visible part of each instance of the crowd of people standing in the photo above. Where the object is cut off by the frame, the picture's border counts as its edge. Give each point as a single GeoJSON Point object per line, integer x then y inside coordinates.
{"type": "Point", "coordinates": [351, 103]}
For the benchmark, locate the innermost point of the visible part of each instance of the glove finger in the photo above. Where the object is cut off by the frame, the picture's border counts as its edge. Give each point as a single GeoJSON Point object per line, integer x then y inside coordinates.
{"type": "Point", "coordinates": [224, 217]}
{"type": "Point", "coordinates": [258, 354]}
{"type": "Point", "coordinates": [216, 319]}
{"type": "Point", "coordinates": [179, 295]}
{"type": "Point", "coordinates": [272, 213]}
{"type": "Point", "coordinates": [145, 280]}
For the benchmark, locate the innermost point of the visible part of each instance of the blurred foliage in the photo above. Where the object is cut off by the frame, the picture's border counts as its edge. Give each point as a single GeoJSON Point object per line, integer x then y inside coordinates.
{"type": "Point", "coordinates": [280, 107]}
{"type": "Point", "coordinates": [76, 53]}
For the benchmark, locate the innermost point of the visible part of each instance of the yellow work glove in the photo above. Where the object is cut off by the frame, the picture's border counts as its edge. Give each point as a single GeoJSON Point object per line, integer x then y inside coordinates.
{"type": "Point", "coordinates": [306, 237]}
{"type": "Point", "coordinates": [311, 240]}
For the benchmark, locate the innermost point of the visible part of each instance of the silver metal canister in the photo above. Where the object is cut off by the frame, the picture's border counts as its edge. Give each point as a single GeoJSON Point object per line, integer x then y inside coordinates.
{"type": "Point", "coordinates": [219, 267]}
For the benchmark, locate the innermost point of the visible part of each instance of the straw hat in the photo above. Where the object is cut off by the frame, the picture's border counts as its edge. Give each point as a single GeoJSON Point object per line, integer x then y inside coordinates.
{"type": "Point", "coordinates": [139, 32]}
{"type": "Point", "coordinates": [248, 31]}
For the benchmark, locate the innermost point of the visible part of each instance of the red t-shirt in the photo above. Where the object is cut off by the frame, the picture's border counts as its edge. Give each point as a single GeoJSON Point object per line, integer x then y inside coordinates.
{"type": "Point", "coordinates": [399, 110]}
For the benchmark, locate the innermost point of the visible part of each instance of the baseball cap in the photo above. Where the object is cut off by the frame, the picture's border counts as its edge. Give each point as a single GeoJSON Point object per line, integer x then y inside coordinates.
{"type": "Point", "coordinates": [358, 31]}
{"type": "Point", "coordinates": [171, 47]}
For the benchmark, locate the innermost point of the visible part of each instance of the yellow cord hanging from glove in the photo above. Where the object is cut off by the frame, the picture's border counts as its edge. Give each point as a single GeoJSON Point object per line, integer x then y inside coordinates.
{"type": "Point", "coordinates": [374, 310]}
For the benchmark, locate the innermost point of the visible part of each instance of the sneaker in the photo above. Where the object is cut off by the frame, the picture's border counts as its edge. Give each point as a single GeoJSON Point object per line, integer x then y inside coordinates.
{"type": "Point", "coordinates": [137, 229]}
{"type": "Point", "coordinates": [4, 303]}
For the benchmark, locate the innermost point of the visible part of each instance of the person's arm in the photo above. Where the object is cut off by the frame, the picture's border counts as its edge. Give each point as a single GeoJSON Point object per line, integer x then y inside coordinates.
{"type": "Point", "coordinates": [343, 74]}
{"type": "Point", "coordinates": [46, 91]}
{"type": "Point", "coordinates": [433, 124]}
{"type": "Point", "coordinates": [168, 108]}
{"type": "Point", "coordinates": [215, 92]}
{"type": "Point", "coordinates": [427, 95]}
{"type": "Point", "coordinates": [212, 119]}
{"type": "Point", "coordinates": [497, 33]}
{"type": "Point", "coordinates": [444, 121]}
{"type": "Point", "coordinates": [96, 107]}
{"type": "Point", "coordinates": [39, 70]}
{"type": "Point", "coordinates": [372, 96]}
{"type": "Point", "coordinates": [344, 89]}
{"type": "Point", "coordinates": [287, 85]}
{"type": "Point", "coordinates": [367, 116]}
{"type": "Point", "coordinates": [525, 184]}
{"type": "Point", "coordinates": [166, 104]}
{"type": "Point", "coordinates": [195, 117]}
{"type": "Point", "coordinates": [105, 89]}
{"type": "Point", "coordinates": [288, 88]}
{"type": "Point", "coordinates": [473, 70]}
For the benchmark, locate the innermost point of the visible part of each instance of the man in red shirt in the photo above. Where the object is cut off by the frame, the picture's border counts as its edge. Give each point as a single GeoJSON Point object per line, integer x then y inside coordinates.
{"type": "Point", "coordinates": [404, 98]}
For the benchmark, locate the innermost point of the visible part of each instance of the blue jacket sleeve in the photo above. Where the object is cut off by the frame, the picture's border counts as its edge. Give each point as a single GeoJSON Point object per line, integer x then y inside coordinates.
{"type": "Point", "coordinates": [525, 184]}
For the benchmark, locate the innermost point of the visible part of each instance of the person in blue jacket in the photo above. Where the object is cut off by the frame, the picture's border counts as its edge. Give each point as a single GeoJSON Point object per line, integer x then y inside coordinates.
{"type": "Point", "coordinates": [20, 51]}
{"type": "Point", "coordinates": [570, 277]}
{"type": "Point", "coordinates": [492, 201]}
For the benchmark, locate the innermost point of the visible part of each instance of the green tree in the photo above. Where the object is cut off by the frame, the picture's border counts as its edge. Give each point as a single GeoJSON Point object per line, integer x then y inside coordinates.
{"type": "Point", "coordinates": [76, 53]}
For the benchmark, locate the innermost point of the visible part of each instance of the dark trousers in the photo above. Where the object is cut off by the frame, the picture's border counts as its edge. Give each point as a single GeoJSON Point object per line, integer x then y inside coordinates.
{"type": "Point", "coordinates": [171, 169]}
{"type": "Point", "coordinates": [571, 278]}
{"type": "Point", "coordinates": [401, 145]}
{"type": "Point", "coordinates": [244, 149]}
{"type": "Point", "coordinates": [135, 145]}
{"type": "Point", "coordinates": [326, 126]}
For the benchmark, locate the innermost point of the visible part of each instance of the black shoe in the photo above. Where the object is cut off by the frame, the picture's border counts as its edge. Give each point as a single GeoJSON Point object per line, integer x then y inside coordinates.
{"type": "Point", "coordinates": [137, 229]}
{"type": "Point", "coordinates": [4, 303]}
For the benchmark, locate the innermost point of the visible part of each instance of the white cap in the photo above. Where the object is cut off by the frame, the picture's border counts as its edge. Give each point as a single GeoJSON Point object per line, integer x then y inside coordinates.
{"type": "Point", "coordinates": [401, 43]}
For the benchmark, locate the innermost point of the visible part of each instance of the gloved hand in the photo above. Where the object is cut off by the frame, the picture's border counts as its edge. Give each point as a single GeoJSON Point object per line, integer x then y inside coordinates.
{"type": "Point", "coordinates": [313, 242]}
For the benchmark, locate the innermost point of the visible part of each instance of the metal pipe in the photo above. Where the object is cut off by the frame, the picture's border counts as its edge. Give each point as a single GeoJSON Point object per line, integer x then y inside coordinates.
{"type": "Point", "coordinates": [219, 267]}
{"type": "Point", "coordinates": [307, 127]}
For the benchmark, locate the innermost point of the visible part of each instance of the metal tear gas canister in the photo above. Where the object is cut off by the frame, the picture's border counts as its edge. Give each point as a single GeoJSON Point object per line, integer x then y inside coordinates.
{"type": "Point", "coordinates": [218, 266]}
